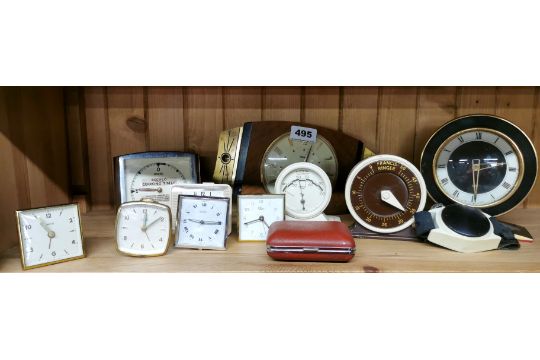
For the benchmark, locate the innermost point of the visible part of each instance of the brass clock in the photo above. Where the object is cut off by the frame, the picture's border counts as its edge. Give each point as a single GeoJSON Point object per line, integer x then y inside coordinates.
{"type": "Point", "coordinates": [482, 161]}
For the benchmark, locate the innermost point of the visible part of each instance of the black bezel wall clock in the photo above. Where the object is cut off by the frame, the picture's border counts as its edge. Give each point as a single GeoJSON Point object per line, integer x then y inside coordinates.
{"type": "Point", "coordinates": [483, 161]}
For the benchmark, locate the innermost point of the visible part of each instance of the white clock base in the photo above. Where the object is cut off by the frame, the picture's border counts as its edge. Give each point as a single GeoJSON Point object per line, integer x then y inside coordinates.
{"type": "Point", "coordinates": [320, 217]}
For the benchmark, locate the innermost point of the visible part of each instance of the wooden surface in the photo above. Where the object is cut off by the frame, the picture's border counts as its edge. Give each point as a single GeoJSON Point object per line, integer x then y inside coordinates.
{"type": "Point", "coordinates": [371, 255]}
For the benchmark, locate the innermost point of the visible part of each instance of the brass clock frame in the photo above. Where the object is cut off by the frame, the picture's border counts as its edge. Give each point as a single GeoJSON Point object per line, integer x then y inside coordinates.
{"type": "Point", "coordinates": [143, 202]}
{"type": "Point", "coordinates": [498, 133]}
{"type": "Point", "coordinates": [23, 264]}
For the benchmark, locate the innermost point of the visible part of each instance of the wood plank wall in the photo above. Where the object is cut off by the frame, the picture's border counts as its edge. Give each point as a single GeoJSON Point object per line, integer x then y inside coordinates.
{"type": "Point", "coordinates": [102, 122]}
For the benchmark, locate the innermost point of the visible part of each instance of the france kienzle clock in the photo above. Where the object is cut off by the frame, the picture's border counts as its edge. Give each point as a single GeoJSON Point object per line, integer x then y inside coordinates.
{"type": "Point", "coordinates": [384, 192]}
{"type": "Point", "coordinates": [482, 161]}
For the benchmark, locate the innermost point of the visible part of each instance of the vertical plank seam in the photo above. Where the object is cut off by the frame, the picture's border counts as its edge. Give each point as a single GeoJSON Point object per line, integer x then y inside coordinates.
{"type": "Point", "coordinates": [497, 99]}
{"type": "Point", "coordinates": [146, 115]}
{"type": "Point", "coordinates": [341, 100]}
{"type": "Point", "coordinates": [68, 143]}
{"type": "Point", "coordinates": [185, 114]}
{"type": "Point", "coordinates": [84, 139]}
{"type": "Point", "coordinates": [302, 104]}
{"type": "Point", "coordinates": [456, 99]}
{"type": "Point", "coordinates": [416, 115]}
{"type": "Point", "coordinates": [378, 118]}
{"type": "Point", "coordinates": [263, 103]}
{"type": "Point", "coordinates": [223, 123]}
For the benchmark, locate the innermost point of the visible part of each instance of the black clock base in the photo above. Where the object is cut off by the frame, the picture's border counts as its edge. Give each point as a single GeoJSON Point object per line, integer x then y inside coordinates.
{"type": "Point", "coordinates": [358, 231]}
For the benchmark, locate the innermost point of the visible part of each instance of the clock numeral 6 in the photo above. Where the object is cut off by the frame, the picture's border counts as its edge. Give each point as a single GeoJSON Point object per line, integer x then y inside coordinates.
{"type": "Point", "coordinates": [48, 215]}
{"type": "Point", "coordinates": [53, 253]}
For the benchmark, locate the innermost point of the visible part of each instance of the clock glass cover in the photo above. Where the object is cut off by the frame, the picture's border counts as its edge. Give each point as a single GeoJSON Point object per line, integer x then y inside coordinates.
{"type": "Point", "coordinates": [50, 235]}
{"type": "Point", "coordinates": [143, 228]}
{"type": "Point", "coordinates": [202, 222]}
{"type": "Point", "coordinates": [256, 213]}
{"type": "Point", "coordinates": [151, 175]}
{"type": "Point", "coordinates": [284, 151]}
{"type": "Point", "coordinates": [384, 192]}
{"type": "Point", "coordinates": [481, 161]}
{"type": "Point", "coordinates": [307, 190]}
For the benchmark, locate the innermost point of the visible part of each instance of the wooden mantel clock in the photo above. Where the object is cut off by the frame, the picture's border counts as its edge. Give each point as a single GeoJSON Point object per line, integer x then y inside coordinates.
{"type": "Point", "coordinates": [253, 155]}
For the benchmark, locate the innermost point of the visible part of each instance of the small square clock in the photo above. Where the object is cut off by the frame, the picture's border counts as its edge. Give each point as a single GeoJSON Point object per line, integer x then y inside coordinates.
{"type": "Point", "coordinates": [202, 222]}
{"type": "Point", "coordinates": [150, 175]}
{"type": "Point", "coordinates": [256, 213]}
{"type": "Point", "coordinates": [50, 235]}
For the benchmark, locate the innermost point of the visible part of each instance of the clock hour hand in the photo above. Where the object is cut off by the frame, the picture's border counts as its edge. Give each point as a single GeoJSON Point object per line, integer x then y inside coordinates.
{"type": "Point", "coordinates": [252, 221]}
{"type": "Point", "coordinates": [491, 165]}
{"type": "Point", "coordinates": [389, 198]}
{"type": "Point", "coordinates": [202, 222]}
{"type": "Point", "coordinates": [475, 174]}
{"type": "Point", "coordinates": [50, 233]}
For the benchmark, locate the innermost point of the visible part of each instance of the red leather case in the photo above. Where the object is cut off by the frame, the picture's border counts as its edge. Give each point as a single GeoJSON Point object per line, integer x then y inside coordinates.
{"type": "Point", "coordinates": [310, 241]}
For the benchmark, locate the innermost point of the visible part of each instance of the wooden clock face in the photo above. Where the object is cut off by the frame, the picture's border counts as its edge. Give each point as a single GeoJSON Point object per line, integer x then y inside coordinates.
{"type": "Point", "coordinates": [384, 192]}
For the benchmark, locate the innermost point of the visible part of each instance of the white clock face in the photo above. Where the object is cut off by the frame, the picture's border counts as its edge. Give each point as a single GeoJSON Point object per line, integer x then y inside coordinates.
{"type": "Point", "coordinates": [256, 213]}
{"type": "Point", "coordinates": [202, 222]}
{"type": "Point", "coordinates": [50, 235]}
{"type": "Point", "coordinates": [211, 190]}
{"type": "Point", "coordinates": [152, 178]}
{"type": "Point", "coordinates": [478, 168]}
{"type": "Point", "coordinates": [143, 229]}
{"type": "Point", "coordinates": [307, 190]}
{"type": "Point", "coordinates": [284, 151]}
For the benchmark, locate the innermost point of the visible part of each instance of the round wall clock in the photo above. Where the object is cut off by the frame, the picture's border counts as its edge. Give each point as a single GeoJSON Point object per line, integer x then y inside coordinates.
{"type": "Point", "coordinates": [307, 190]}
{"type": "Point", "coordinates": [482, 161]}
{"type": "Point", "coordinates": [384, 192]}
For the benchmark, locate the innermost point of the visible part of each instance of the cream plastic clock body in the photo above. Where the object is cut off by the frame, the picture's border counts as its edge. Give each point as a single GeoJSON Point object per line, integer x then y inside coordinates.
{"type": "Point", "coordinates": [143, 228]}
{"type": "Point", "coordinates": [202, 222]}
{"type": "Point", "coordinates": [50, 235]}
{"type": "Point", "coordinates": [256, 213]}
{"type": "Point", "coordinates": [204, 189]}
{"type": "Point", "coordinates": [151, 175]}
{"type": "Point", "coordinates": [307, 191]}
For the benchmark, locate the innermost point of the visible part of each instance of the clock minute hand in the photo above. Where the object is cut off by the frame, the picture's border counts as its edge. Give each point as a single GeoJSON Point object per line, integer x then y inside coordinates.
{"type": "Point", "coordinates": [152, 223]}
{"type": "Point", "coordinates": [202, 222]}
{"type": "Point", "coordinates": [475, 175]}
{"type": "Point", "coordinates": [252, 221]}
{"type": "Point", "coordinates": [491, 165]}
{"type": "Point", "coordinates": [50, 233]}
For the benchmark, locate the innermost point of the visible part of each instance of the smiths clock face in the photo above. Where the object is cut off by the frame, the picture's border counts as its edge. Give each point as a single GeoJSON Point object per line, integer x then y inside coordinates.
{"type": "Point", "coordinates": [284, 151]}
{"type": "Point", "coordinates": [143, 228]}
{"type": "Point", "coordinates": [477, 162]}
{"type": "Point", "coordinates": [50, 235]}
{"type": "Point", "coordinates": [307, 190]}
{"type": "Point", "coordinates": [256, 213]}
{"type": "Point", "coordinates": [151, 175]}
{"type": "Point", "coordinates": [384, 192]}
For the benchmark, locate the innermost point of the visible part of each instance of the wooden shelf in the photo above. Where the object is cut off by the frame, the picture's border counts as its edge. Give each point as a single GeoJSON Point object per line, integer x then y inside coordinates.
{"type": "Point", "coordinates": [371, 255]}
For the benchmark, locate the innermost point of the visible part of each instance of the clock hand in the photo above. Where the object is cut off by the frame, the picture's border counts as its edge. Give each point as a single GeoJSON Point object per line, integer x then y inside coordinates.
{"type": "Point", "coordinates": [388, 197]}
{"type": "Point", "coordinates": [143, 228]}
{"type": "Point", "coordinates": [202, 222]}
{"type": "Point", "coordinates": [302, 201]}
{"type": "Point", "coordinates": [492, 165]}
{"type": "Point", "coordinates": [159, 190]}
{"type": "Point", "coordinates": [263, 221]}
{"type": "Point", "coordinates": [152, 223]}
{"type": "Point", "coordinates": [50, 233]}
{"type": "Point", "coordinates": [475, 175]}
{"type": "Point", "coordinates": [309, 152]}
{"type": "Point", "coordinates": [252, 221]}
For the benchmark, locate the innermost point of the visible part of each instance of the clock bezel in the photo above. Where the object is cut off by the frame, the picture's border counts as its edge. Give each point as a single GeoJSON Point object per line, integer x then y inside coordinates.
{"type": "Point", "coordinates": [489, 123]}
{"type": "Point", "coordinates": [256, 196]}
{"type": "Point", "coordinates": [403, 162]}
{"type": "Point", "coordinates": [201, 198]}
{"type": "Point", "coordinates": [313, 168]}
{"type": "Point", "coordinates": [287, 134]}
{"type": "Point", "coordinates": [21, 243]}
{"type": "Point", "coordinates": [145, 203]}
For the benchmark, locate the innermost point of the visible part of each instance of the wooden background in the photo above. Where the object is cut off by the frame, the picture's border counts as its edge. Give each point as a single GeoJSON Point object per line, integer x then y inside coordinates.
{"type": "Point", "coordinates": [57, 144]}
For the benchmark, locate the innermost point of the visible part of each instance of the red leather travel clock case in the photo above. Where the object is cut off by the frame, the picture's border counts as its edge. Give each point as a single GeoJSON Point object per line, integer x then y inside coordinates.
{"type": "Point", "coordinates": [310, 241]}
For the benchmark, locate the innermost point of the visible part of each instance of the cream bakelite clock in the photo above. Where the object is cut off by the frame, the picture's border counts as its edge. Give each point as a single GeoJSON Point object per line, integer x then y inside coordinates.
{"type": "Point", "coordinates": [50, 235]}
{"type": "Point", "coordinates": [143, 228]}
{"type": "Point", "coordinates": [307, 191]}
{"type": "Point", "coordinates": [256, 213]}
{"type": "Point", "coordinates": [202, 222]}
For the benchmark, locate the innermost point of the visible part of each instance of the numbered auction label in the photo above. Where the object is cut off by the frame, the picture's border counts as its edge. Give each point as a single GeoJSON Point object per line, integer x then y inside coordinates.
{"type": "Point", "coordinates": [303, 133]}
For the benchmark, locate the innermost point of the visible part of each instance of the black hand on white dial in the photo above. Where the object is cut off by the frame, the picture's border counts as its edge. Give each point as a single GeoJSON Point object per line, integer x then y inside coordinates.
{"type": "Point", "coordinates": [202, 222]}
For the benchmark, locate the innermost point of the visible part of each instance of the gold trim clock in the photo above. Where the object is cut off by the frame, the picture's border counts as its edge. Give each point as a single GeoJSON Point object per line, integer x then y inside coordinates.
{"type": "Point", "coordinates": [256, 213]}
{"type": "Point", "coordinates": [143, 228]}
{"type": "Point", "coordinates": [50, 235]}
{"type": "Point", "coordinates": [483, 161]}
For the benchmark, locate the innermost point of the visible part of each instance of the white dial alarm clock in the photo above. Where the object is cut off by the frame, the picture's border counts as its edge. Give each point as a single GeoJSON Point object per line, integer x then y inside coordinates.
{"type": "Point", "coordinates": [204, 189]}
{"type": "Point", "coordinates": [202, 222]}
{"type": "Point", "coordinates": [50, 235]}
{"type": "Point", "coordinates": [256, 213]}
{"type": "Point", "coordinates": [307, 190]}
{"type": "Point", "coordinates": [143, 228]}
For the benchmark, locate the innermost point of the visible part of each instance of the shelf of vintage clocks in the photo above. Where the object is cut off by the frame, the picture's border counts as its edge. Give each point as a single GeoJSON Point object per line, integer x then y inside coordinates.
{"type": "Point", "coordinates": [372, 255]}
